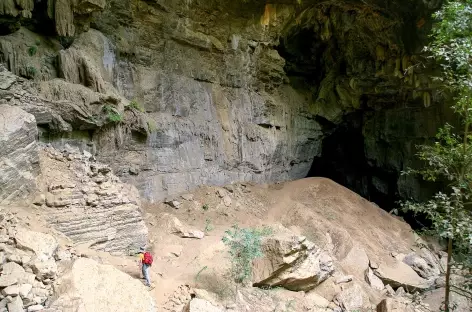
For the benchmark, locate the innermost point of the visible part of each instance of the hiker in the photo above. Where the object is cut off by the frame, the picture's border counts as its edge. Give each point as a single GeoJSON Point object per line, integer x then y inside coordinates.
{"type": "Point", "coordinates": [145, 260]}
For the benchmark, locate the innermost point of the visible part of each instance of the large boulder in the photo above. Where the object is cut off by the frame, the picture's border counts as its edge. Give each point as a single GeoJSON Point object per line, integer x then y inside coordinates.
{"type": "Point", "coordinates": [13, 273]}
{"type": "Point", "coordinates": [171, 225]}
{"type": "Point", "coordinates": [19, 158]}
{"type": "Point", "coordinates": [291, 261]}
{"type": "Point", "coordinates": [90, 286]}
{"type": "Point", "coordinates": [43, 245]}
{"type": "Point", "coordinates": [400, 274]}
{"type": "Point", "coordinates": [425, 263]}
{"type": "Point", "coordinates": [353, 298]}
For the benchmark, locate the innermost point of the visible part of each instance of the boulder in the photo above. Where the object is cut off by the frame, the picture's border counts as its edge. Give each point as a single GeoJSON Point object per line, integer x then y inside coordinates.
{"type": "Point", "coordinates": [12, 291]}
{"type": "Point", "coordinates": [424, 264]}
{"type": "Point", "coordinates": [24, 290]}
{"type": "Point", "coordinates": [90, 286]}
{"type": "Point", "coordinates": [327, 289]}
{"type": "Point", "coordinates": [201, 305]}
{"type": "Point", "coordinates": [16, 305]}
{"type": "Point", "coordinates": [292, 262]}
{"type": "Point", "coordinates": [353, 298]}
{"type": "Point", "coordinates": [12, 274]}
{"type": "Point", "coordinates": [313, 300]}
{"type": "Point", "coordinates": [172, 225]}
{"type": "Point", "coordinates": [19, 157]}
{"type": "Point", "coordinates": [44, 269]}
{"type": "Point", "coordinates": [393, 305]}
{"type": "Point", "coordinates": [355, 262]}
{"type": "Point", "coordinates": [373, 280]}
{"type": "Point", "coordinates": [401, 275]}
{"type": "Point", "coordinates": [43, 245]}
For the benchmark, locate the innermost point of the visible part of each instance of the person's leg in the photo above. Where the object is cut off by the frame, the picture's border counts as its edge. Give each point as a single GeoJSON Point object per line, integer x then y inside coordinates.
{"type": "Point", "coordinates": [146, 274]}
{"type": "Point", "coordinates": [143, 269]}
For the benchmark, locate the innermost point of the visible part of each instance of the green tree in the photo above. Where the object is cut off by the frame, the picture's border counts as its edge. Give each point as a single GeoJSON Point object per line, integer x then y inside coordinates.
{"type": "Point", "coordinates": [450, 157]}
{"type": "Point", "coordinates": [244, 246]}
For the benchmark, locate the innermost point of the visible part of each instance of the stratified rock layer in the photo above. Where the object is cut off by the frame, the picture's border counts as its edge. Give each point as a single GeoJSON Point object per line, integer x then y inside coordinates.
{"type": "Point", "coordinates": [19, 158]}
{"type": "Point", "coordinates": [86, 202]}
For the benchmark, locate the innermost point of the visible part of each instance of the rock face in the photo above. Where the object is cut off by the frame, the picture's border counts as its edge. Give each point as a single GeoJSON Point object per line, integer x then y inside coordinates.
{"type": "Point", "coordinates": [19, 158]}
{"type": "Point", "coordinates": [292, 262]}
{"type": "Point", "coordinates": [90, 286]}
{"type": "Point", "coordinates": [238, 98]}
{"type": "Point", "coordinates": [86, 202]}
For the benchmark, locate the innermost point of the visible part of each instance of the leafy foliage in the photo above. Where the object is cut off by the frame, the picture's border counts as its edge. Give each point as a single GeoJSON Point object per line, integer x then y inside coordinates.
{"type": "Point", "coordinates": [134, 104]}
{"type": "Point", "coordinates": [244, 246]}
{"type": "Point", "coordinates": [208, 226]}
{"type": "Point", "coordinates": [112, 114]}
{"type": "Point", "coordinates": [450, 157]}
{"type": "Point", "coordinates": [151, 124]}
{"type": "Point", "coordinates": [32, 50]}
{"type": "Point", "coordinates": [31, 71]}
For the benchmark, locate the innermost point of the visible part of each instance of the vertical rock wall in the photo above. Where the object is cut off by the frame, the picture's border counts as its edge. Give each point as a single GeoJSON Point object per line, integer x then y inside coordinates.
{"type": "Point", "coordinates": [19, 159]}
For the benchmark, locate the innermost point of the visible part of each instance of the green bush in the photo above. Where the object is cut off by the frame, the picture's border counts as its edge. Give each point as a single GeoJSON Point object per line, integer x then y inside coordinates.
{"type": "Point", "coordinates": [134, 104]}
{"type": "Point", "coordinates": [112, 114]}
{"type": "Point", "coordinates": [244, 246]}
{"type": "Point", "coordinates": [151, 125]}
{"type": "Point", "coordinates": [208, 226]}
{"type": "Point", "coordinates": [31, 71]}
{"type": "Point", "coordinates": [205, 207]}
{"type": "Point", "coordinates": [32, 50]}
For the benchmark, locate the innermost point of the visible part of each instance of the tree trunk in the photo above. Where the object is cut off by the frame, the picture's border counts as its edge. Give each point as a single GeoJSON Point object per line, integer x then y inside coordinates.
{"type": "Point", "coordinates": [448, 275]}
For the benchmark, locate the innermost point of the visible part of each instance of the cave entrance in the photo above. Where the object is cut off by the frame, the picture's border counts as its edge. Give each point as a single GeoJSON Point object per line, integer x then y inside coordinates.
{"type": "Point", "coordinates": [343, 160]}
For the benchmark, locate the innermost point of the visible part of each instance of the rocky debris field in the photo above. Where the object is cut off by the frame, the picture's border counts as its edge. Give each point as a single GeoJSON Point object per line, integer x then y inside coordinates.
{"type": "Point", "coordinates": [344, 270]}
{"type": "Point", "coordinates": [29, 266]}
{"type": "Point", "coordinates": [71, 247]}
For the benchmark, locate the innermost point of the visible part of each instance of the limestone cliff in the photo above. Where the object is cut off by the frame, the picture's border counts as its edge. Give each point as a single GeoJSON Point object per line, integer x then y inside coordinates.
{"type": "Point", "coordinates": [178, 93]}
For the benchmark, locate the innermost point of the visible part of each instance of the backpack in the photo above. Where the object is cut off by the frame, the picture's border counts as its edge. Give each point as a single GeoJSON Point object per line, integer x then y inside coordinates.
{"type": "Point", "coordinates": [147, 258]}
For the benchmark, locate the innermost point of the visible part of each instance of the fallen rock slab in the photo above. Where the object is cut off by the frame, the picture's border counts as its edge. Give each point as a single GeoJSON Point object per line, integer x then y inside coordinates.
{"type": "Point", "coordinates": [90, 286]}
{"type": "Point", "coordinates": [172, 225]}
{"type": "Point", "coordinates": [292, 262]}
{"type": "Point", "coordinates": [401, 275]}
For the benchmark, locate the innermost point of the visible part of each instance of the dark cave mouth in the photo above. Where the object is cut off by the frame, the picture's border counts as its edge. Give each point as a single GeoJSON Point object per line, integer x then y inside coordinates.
{"type": "Point", "coordinates": [343, 160]}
